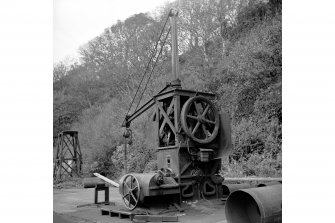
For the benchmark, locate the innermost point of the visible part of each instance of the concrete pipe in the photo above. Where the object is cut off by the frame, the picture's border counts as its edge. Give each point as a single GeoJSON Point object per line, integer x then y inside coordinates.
{"type": "Point", "coordinates": [255, 205]}
{"type": "Point", "coordinates": [230, 188]}
{"type": "Point", "coordinates": [269, 184]}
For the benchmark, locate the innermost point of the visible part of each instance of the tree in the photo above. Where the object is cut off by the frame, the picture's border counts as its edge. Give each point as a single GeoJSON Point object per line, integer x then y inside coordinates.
{"type": "Point", "coordinates": [228, 47]}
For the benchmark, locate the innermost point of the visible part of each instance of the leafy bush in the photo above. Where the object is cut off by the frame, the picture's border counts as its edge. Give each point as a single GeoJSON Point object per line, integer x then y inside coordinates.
{"type": "Point", "coordinates": [256, 165]}
{"type": "Point", "coordinates": [102, 163]}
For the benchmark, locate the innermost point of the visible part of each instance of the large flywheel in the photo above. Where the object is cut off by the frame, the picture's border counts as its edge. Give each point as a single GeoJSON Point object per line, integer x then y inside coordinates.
{"type": "Point", "coordinates": [130, 191]}
{"type": "Point", "coordinates": [200, 119]}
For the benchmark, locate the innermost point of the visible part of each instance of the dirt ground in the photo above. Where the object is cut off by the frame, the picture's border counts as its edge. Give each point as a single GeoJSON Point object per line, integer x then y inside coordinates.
{"type": "Point", "coordinates": [65, 210]}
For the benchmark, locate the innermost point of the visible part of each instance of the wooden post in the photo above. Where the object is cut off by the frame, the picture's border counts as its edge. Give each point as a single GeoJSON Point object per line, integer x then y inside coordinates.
{"type": "Point", "coordinates": [68, 156]}
{"type": "Point", "coordinates": [177, 117]}
{"type": "Point", "coordinates": [157, 123]}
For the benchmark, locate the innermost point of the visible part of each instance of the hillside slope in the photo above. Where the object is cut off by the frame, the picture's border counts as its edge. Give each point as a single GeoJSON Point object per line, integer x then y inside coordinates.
{"type": "Point", "coordinates": [232, 50]}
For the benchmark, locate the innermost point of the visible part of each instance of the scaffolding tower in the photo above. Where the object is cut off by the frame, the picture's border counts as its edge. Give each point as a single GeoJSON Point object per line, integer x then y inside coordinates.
{"type": "Point", "coordinates": [68, 162]}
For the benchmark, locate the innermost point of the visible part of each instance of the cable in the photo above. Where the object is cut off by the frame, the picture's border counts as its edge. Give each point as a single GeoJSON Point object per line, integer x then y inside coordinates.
{"type": "Point", "coordinates": [160, 52]}
{"type": "Point", "coordinates": [146, 69]}
{"type": "Point", "coordinates": [153, 68]}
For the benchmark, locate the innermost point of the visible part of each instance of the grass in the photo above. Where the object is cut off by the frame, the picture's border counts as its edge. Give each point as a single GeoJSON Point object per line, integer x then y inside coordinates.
{"type": "Point", "coordinates": [67, 183]}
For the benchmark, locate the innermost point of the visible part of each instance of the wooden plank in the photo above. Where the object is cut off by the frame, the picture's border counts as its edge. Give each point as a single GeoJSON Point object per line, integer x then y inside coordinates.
{"type": "Point", "coordinates": [104, 212]}
{"type": "Point", "coordinates": [180, 209]}
{"type": "Point", "coordinates": [177, 108]}
{"type": "Point", "coordinates": [192, 93]}
{"type": "Point", "coordinates": [157, 123]}
{"type": "Point", "coordinates": [183, 92]}
{"type": "Point", "coordinates": [169, 110]}
{"type": "Point", "coordinates": [140, 218]}
{"type": "Point", "coordinates": [185, 167]}
{"type": "Point", "coordinates": [142, 109]}
{"type": "Point", "coordinates": [169, 218]}
{"type": "Point", "coordinates": [124, 215]}
{"type": "Point", "coordinates": [106, 179]}
{"type": "Point", "coordinates": [165, 95]}
{"type": "Point", "coordinates": [167, 119]}
{"type": "Point", "coordinates": [92, 204]}
{"type": "Point", "coordinates": [155, 218]}
{"type": "Point", "coordinates": [118, 213]}
{"type": "Point", "coordinates": [113, 214]}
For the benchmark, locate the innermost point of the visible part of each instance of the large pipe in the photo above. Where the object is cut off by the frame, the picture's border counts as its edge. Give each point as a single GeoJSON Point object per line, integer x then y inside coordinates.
{"type": "Point", "coordinates": [230, 188]}
{"type": "Point", "coordinates": [255, 205]}
{"type": "Point", "coordinates": [92, 182]}
{"type": "Point", "coordinates": [106, 179]}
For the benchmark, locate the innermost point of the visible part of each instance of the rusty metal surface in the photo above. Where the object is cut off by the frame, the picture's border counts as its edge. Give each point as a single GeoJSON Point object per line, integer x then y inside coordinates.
{"type": "Point", "coordinates": [169, 158]}
{"type": "Point", "coordinates": [139, 111]}
{"type": "Point", "coordinates": [130, 190]}
{"type": "Point", "coordinates": [224, 135]}
{"type": "Point", "coordinates": [200, 119]}
{"type": "Point", "coordinates": [192, 138]}
{"type": "Point", "coordinates": [183, 92]}
{"type": "Point", "coordinates": [192, 164]}
{"type": "Point", "coordinates": [261, 204]}
{"type": "Point", "coordinates": [135, 187]}
{"type": "Point", "coordinates": [91, 182]}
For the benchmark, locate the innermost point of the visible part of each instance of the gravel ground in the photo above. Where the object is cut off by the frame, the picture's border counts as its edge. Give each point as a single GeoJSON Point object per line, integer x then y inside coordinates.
{"type": "Point", "coordinates": [65, 202]}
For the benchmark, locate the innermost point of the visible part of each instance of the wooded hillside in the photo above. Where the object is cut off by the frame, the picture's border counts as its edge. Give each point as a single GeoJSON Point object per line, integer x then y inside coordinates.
{"type": "Point", "coordinates": [232, 48]}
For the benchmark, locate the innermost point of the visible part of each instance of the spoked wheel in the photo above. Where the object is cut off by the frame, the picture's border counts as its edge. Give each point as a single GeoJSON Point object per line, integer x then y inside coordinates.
{"type": "Point", "coordinates": [130, 191]}
{"type": "Point", "coordinates": [200, 119]}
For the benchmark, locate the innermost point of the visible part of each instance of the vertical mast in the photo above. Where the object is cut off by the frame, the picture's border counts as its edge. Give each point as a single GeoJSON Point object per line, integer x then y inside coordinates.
{"type": "Point", "coordinates": [175, 57]}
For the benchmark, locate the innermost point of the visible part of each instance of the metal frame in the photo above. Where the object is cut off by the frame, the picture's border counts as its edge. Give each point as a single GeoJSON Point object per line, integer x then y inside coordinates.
{"type": "Point", "coordinates": [68, 149]}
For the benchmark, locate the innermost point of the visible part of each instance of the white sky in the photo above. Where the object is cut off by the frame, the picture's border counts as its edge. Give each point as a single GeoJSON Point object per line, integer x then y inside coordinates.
{"type": "Point", "coordinates": [78, 21]}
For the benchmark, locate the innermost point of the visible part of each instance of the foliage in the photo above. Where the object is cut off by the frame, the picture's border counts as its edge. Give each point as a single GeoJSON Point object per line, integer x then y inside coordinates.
{"type": "Point", "coordinates": [232, 48]}
{"type": "Point", "coordinates": [71, 182]}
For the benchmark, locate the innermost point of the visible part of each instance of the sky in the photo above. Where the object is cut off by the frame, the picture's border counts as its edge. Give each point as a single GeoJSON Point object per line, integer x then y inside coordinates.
{"type": "Point", "coordinates": [75, 22]}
